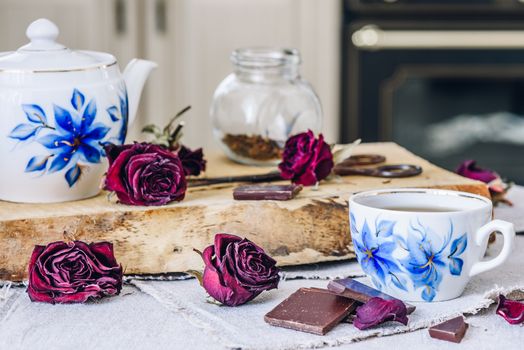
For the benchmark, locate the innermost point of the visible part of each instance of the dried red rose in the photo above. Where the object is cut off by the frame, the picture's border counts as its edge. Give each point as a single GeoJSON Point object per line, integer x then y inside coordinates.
{"type": "Point", "coordinates": [73, 272]}
{"type": "Point", "coordinates": [237, 270]}
{"type": "Point", "coordinates": [511, 310]}
{"type": "Point", "coordinates": [192, 161]}
{"type": "Point", "coordinates": [306, 160]}
{"type": "Point", "coordinates": [469, 169]}
{"type": "Point", "coordinates": [144, 174]}
{"type": "Point", "coordinates": [378, 310]}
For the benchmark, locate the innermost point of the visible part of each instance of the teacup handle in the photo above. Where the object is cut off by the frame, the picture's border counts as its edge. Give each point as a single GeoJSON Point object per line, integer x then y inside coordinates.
{"type": "Point", "coordinates": [508, 232]}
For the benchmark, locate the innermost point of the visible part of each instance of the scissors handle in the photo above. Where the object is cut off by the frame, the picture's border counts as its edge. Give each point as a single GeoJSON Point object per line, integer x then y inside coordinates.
{"type": "Point", "coordinates": [399, 170]}
{"type": "Point", "coordinates": [389, 171]}
{"type": "Point", "coordinates": [363, 159]}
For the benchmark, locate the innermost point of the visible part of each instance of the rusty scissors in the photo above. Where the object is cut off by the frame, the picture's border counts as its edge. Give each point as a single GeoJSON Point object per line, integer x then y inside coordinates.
{"type": "Point", "coordinates": [350, 166]}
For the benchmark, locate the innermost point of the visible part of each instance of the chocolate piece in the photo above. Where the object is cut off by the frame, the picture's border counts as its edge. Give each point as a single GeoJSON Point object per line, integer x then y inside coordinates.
{"type": "Point", "coordinates": [266, 192]}
{"type": "Point", "coordinates": [311, 310]}
{"type": "Point", "coordinates": [451, 330]}
{"type": "Point", "coordinates": [353, 289]}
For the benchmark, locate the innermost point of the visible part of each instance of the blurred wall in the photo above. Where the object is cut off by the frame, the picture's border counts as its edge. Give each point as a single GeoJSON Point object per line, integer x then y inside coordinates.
{"type": "Point", "coordinates": [192, 40]}
{"type": "Point", "coordinates": [200, 35]}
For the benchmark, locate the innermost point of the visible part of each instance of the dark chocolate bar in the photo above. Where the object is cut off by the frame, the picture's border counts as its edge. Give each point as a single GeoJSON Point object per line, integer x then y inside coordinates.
{"type": "Point", "coordinates": [266, 192]}
{"type": "Point", "coordinates": [311, 310]}
{"type": "Point", "coordinates": [451, 330]}
{"type": "Point", "coordinates": [353, 289]}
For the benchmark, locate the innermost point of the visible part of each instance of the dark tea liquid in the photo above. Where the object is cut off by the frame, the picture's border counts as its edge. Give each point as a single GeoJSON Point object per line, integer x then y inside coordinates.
{"type": "Point", "coordinates": [422, 209]}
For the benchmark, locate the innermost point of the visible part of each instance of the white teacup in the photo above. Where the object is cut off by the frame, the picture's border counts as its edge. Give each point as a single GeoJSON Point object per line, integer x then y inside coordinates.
{"type": "Point", "coordinates": [424, 244]}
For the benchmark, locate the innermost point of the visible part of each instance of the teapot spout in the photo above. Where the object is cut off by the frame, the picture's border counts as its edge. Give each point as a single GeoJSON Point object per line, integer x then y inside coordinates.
{"type": "Point", "coordinates": [135, 76]}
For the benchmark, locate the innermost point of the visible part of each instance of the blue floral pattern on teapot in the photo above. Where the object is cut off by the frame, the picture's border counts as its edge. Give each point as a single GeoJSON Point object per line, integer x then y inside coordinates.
{"type": "Point", "coordinates": [75, 139]}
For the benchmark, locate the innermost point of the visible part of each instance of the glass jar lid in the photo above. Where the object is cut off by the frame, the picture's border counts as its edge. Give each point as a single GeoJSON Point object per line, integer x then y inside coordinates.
{"type": "Point", "coordinates": [44, 54]}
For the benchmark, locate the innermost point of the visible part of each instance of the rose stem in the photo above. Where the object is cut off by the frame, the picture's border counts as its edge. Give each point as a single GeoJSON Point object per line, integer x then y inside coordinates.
{"type": "Point", "coordinates": [167, 128]}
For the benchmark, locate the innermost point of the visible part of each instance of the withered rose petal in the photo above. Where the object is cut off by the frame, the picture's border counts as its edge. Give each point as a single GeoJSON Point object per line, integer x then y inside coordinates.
{"type": "Point", "coordinates": [469, 169]}
{"type": "Point", "coordinates": [112, 151]}
{"type": "Point", "coordinates": [511, 310]}
{"type": "Point", "coordinates": [378, 310]}
{"type": "Point", "coordinates": [104, 250]}
{"type": "Point", "coordinates": [222, 241]}
{"type": "Point", "coordinates": [73, 272]}
{"type": "Point", "coordinates": [306, 160]}
{"type": "Point", "coordinates": [214, 286]}
{"type": "Point", "coordinates": [192, 161]}
{"type": "Point", "coordinates": [237, 270]}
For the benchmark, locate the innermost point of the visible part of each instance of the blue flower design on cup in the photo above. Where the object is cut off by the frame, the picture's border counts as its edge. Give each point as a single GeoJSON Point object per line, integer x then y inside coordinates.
{"type": "Point", "coordinates": [426, 261]}
{"type": "Point", "coordinates": [74, 141]}
{"type": "Point", "coordinates": [458, 247]}
{"type": "Point", "coordinates": [374, 251]}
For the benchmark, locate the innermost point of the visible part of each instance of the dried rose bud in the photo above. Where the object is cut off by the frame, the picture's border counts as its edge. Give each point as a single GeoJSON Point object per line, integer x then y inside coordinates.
{"type": "Point", "coordinates": [306, 159]}
{"type": "Point", "coordinates": [511, 310]}
{"type": "Point", "coordinates": [378, 310]}
{"type": "Point", "coordinates": [144, 174]}
{"type": "Point", "coordinates": [192, 161]}
{"type": "Point", "coordinates": [469, 169]}
{"type": "Point", "coordinates": [237, 270]}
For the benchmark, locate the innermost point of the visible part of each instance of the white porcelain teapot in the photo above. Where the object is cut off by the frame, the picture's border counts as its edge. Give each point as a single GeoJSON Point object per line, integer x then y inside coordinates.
{"type": "Point", "coordinates": [58, 107]}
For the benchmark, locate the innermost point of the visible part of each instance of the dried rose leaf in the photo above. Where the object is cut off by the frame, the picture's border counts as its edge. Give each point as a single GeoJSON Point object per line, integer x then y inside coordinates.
{"type": "Point", "coordinates": [511, 310]}
{"type": "Point", "coordinates": [378, 310]}
{"type": "Point", "coordinates": [196, 274]}
{"type": "Point", "coordinates": [211, 300]}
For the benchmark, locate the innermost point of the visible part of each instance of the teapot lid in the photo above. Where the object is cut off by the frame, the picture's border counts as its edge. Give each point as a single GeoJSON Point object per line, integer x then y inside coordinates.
{"type": "Point", "coordinates": [44, 54]}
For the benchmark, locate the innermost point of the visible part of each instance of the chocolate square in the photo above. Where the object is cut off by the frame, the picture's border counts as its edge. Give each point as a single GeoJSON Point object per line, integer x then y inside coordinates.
{"type": "Point", "coordinates": [266, 192]}
{"type": "Point", "coordinates": [452, 330]}
{"type": "Point", "coordinates": [311, 310]}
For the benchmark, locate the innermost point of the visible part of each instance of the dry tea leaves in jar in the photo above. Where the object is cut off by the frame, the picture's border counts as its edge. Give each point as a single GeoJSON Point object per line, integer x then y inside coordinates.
{"type": "Point", "coordinates": [255, 147]}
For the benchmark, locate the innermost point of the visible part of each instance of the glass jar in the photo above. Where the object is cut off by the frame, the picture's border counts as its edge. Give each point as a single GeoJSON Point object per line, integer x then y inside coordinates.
{"type": "Point", "coordinates": [264, 101]}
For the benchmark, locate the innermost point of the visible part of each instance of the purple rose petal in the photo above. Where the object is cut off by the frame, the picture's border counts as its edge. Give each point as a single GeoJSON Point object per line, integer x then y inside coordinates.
{"type": "Point", "coordinates": [511, 310]}
{"type": "Point", "coordinates": [378, 310]}
{"type": "Point", "coordinates": [192, 161]}
{"type": "Point", "coordinates": [469, 169]}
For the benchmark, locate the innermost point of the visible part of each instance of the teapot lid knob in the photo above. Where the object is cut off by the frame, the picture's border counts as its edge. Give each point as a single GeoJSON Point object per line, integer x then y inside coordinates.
{"type": "Point", "coordinates": [42, 34]}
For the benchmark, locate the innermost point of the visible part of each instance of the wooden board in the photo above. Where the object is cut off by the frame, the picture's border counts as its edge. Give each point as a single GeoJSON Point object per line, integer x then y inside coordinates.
{"type": "Point", "coordinates": [311, 228]}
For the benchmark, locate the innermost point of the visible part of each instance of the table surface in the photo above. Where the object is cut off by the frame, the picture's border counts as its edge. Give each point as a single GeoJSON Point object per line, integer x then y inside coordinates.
{"type": "Point", "coordinates": [136, 320]}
